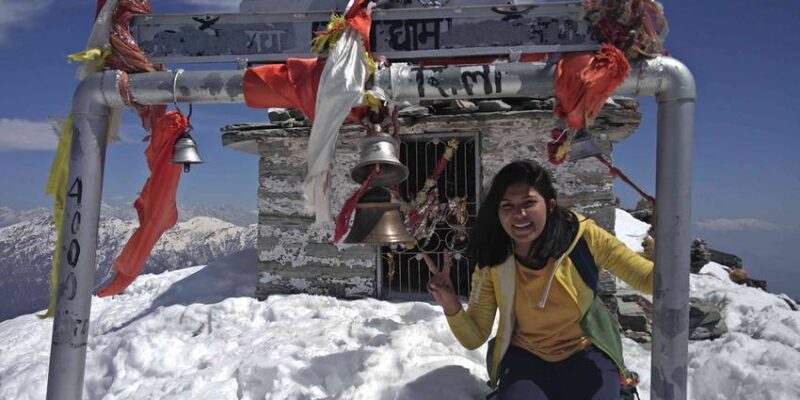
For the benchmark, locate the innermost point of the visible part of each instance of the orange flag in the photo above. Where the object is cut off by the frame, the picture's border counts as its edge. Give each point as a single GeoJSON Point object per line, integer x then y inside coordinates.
{"type": "Point", "coordinates": [295, 83]}
{"type": "Point", "coordinates": [156, 204]}
{"type": "Point", "coordinates": [583, 82]}
{"type": "Point", "coordinates": [290, 85]}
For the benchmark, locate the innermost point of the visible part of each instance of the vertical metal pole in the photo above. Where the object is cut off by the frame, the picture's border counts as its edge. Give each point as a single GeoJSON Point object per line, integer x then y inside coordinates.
{"type": "Point", "coordinates": [78, 253]}
{"type": "Point", "coordinates": [673, 229]}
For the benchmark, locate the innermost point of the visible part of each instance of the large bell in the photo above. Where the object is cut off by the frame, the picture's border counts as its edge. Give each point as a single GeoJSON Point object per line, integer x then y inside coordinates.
{"type": "Point", "coordinates": [378, 220]}
{"type": "Point", "coordinates": [583, 146]}
{"type": "Point", "coordinates": [186, 152]}
{"type": "Point", "coordinates": [379, 149]}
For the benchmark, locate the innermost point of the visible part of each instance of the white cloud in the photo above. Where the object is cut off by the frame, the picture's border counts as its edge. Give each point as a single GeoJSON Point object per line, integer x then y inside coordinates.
{"type": "Point", "coordinates": [737, 224]}
{"type": "Point", "coordinates": [18, 13]}
{"type": "Point", "coordinates": [20, 134]}
{"type": "Point", "coordinates": [215, 5]}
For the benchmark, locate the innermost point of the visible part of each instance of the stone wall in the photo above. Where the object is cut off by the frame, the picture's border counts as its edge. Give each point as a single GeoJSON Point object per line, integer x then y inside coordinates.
{"type": "Point", "coordinates": [295, 254]}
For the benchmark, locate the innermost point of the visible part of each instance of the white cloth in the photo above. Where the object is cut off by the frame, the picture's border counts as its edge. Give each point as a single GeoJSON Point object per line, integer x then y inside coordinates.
{"type": "Point", "coordinates": [341, 87]}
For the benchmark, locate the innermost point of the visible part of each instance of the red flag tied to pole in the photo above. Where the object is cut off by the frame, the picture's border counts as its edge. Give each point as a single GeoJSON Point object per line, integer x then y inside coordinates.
{"type": "Point", "coordinates": [155, 206]}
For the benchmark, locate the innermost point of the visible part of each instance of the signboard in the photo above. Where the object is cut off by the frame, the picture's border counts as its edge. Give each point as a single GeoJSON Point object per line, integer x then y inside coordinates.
{"type": "Point", "coordinates": [398, 34]}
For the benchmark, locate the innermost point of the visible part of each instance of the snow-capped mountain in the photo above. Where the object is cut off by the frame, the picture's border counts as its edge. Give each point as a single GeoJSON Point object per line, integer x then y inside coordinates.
{"type": "Point", "coordinates": [10, 216]}
{"type": "Point", "coordinates": [234, 215]}
{"type": "Point", "coordinates": [26, 250]}
{"type": "Point", "coordinates": [124, 211]}
{"type": "Point", "coordinates": [197, 333]}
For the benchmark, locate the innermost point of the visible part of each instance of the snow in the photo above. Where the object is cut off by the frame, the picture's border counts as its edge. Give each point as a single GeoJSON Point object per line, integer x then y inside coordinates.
{"type": "Point", "coordinates": [196, 333]}
{"type": "Point", "coordinates": [630, 230]}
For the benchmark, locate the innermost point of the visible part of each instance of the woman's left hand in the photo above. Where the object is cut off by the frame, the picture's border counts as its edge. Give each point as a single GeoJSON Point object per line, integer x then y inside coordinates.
{"type": "Point", "coordinates": [440, 286]}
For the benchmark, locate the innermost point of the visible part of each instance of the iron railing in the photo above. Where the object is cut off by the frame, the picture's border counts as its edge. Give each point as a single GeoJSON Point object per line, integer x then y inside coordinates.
{"type": "Point", "coordinates": [404, 274]}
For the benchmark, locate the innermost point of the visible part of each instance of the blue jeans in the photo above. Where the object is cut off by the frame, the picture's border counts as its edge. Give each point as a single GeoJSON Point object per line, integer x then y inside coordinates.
{"type": "Point", "coordinates": [586, 375]}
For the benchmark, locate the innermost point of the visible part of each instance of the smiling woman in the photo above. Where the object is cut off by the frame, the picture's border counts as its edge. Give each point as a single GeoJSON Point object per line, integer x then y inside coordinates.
{"type": "Point", "coordinates": [521, 204]}
{"type": "Point", "coordinates": [537, 263]}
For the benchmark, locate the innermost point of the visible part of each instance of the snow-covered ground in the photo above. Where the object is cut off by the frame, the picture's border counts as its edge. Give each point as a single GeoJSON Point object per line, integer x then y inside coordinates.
{"type": "Point", "coordinates": [195, 334]}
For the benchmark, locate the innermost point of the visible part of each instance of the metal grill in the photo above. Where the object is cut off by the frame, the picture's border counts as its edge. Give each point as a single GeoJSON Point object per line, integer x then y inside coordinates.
{"type": "Point", "coordinates": [403, 274]}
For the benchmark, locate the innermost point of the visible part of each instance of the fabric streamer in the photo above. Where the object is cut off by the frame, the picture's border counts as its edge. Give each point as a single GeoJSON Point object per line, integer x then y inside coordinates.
{"type": "Point", "coordinates": [422, 195]}
{"type": "Point", "coordinates": [290, 85]}
{"type": "Point", "coordinates": [156, 207]}
{"type": "Point", "coordinates": [325, 90]}
{"type": "Point", "coordinates": [343, 219]}
{"type": "Point", "coordinates": [57, 187]}
{"type": "Point", "coordinates": [558, 147]}
{"type": "Point", "coordinates": [583, 82]}
{"type": "Point", "coordinates": [617, 173]}
{"type": "Point", "coordinates": [341, 87]}
{"type": "Point", "coordinates": [637, 27]}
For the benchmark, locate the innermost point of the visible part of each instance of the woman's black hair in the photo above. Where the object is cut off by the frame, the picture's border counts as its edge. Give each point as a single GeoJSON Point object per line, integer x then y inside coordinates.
{"type": "Point", "coordinates": [489, 244]}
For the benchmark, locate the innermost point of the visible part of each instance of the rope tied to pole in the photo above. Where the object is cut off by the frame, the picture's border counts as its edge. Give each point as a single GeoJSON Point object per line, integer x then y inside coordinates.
{"type": "Point", "coordinates": [617, 173]}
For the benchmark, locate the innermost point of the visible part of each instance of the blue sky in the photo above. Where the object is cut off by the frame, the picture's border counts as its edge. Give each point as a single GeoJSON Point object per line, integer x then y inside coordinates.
{"type": "Point", "coordinates": [746, 164]}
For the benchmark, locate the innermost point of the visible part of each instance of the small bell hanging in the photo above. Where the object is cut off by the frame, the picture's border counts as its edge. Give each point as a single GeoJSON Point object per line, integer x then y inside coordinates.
{"type": "Point", "coordinates": [186, 151]}
{"type": "Point", "coordinates": [185, 148]}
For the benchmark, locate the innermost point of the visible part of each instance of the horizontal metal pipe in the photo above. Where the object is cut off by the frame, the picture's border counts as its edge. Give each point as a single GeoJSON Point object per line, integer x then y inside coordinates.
{"type": "Point", "coordinates": [660, 77]}
{"type": "Point", "coordinates": [191, 87]}
{"type": "Point", "coordinates": [405, 82]}
{"type": "Point", "coordinates": [663, 77]}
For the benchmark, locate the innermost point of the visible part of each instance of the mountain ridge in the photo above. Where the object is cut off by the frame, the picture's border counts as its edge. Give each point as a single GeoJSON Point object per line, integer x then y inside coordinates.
{"type": "Point", "coordinates": [26, 251]}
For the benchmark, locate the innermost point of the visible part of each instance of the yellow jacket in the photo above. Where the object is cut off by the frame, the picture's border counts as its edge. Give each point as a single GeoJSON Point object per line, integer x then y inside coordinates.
{"type": "Point", "coordinates": [493, 289]}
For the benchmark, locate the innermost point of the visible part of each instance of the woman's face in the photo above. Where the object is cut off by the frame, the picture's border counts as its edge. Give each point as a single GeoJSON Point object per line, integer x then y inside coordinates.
{"type": "Point", "coordinates": [523, 213]}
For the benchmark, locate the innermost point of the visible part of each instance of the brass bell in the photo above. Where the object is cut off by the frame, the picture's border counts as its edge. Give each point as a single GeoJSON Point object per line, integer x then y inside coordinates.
{"type": "Point", "coordinates": [186, 152]}
{"type": "Point", "coordinates": [379, 149]}
{"type": "Point", "coordinates": [583, 146]}
{"type": "Point", "coordinates": [378, 219]}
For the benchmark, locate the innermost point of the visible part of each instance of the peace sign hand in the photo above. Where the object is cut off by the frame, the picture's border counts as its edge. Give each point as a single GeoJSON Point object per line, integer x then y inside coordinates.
{"type": "Point", "coordinates": [440, 287]}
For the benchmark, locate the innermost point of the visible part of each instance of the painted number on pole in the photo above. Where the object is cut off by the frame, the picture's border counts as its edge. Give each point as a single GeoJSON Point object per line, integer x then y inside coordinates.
{"type": "Point", "coordinates": [74, 248]}
{"type": "Point", "coordinates": [71, 286]}
{"type": "Point", "coordinates": [76, 190]}
{"type": "Point", "coordinates": [76, 223]}
{"type": "Point", "coordinates": [73, 253]}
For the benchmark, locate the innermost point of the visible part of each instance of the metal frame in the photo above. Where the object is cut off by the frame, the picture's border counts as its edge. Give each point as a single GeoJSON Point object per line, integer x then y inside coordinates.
{"type": "Point", "coordinates": [398, 33]}
{"type": "Point", "coordinates": [421, 293]}
{"type": "Point", "coordinates": [663, 77]}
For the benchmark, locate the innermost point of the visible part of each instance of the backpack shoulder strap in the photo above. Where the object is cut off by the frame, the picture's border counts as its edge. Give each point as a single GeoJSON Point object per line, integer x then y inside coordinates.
{"type": "Point", "coordinates": [583, 260]}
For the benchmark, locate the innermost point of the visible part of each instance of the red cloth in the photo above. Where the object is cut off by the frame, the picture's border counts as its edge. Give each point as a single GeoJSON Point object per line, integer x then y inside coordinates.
{"type": "Point", "coordinates": [343, 219]}
{"type": "Point", "coordinates": [583, 82]}
{"type": "Point", "coordinates": [359, 18]}
{"type": "Point", "coordinates": [290, 85]}
{"type": "Point", "coordinates": [156, 204]}
{"type": "Point", "coordinates": [295, 84]}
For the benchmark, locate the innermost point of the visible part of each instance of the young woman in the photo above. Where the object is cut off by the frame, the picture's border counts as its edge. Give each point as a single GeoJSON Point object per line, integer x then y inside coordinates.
{"type": "Point", "coordinates": [555, 339]}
